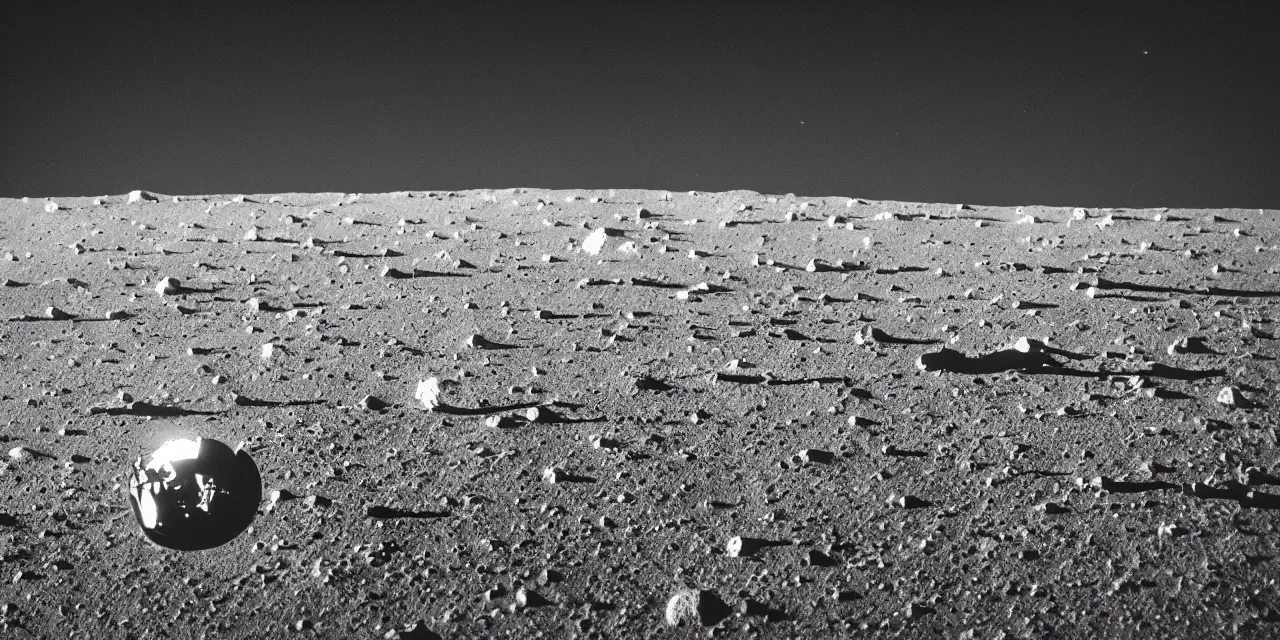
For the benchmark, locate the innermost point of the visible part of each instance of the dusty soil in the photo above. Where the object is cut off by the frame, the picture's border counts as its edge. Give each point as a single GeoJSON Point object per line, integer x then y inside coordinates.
{"type": "Point", "coordinates": [798, 417]}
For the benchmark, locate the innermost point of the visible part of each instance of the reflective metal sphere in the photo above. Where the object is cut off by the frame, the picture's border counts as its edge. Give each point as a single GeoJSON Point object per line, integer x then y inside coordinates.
{"type": "Point", "coordinates": [194, 494]}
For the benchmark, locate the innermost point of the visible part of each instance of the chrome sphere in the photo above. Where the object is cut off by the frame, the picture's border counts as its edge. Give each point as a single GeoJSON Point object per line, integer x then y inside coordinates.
{"type": "Point", "coordinates": [194, 494]}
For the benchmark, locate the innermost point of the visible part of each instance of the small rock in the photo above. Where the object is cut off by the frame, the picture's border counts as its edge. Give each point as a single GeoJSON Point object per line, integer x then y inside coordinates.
{"type": "Point", "coordinates": [428, 393]}
{"type": "Point", "coordinates": [138, 195]}
{"type": "Point", "coordinates": [907, 502]}
{"type": "Point", "coordinates": [54, 313]}
{"type": "Point", "coordinates": [168, 287]}
{"type": "Point", "coordinates": [1189, 344]}
{"type": "Point", "coordinates": [817, 558]}
{"type": "Point", "coordinates": [915, 610]}
{"type": "Point", "coordinates": [373, 403]}
{"type": "Point", "coordinates": [817, 455]}
{"type": "Point", "coordinates": [703, 607]}
{"type": "Point", "coordinates": [529, 598]}
{"type": "Point", "coordinates": [1232, 397]}
{"type": "Point", "coordinates": [21, 454]}
{"type": "Point", "coordinates": [281, 495]}
{"type": "Point", "coordinates": [315, 501]}
{"type": "Point", "coordinates": [416, 631]}
{"type": "Point", "coordinates": [739, 546]}
{"type": "Point", "coordinates": [554, 475]}
{"type": "Point", "coordinates": [594, 241]}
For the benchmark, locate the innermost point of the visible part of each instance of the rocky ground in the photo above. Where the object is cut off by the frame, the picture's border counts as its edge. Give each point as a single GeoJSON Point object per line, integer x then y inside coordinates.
{"type": "Point", "coordinates": [528, 413]}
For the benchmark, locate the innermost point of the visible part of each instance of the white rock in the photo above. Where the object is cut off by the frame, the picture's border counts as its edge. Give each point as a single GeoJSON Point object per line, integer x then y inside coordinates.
{"type": "Point", "coordinates": [51, 207]}
{"type": "Point", "coordinates": [168, 286]}
{"type": "Point", "coordinates": [428, 393]}
{"type": "Point", "coordinates": [1232, 397]}
{"type": "Point", "coordinates": [138, 195]}
{"type": "Point", "coordinates": [688, 606]}
{"type": "Point", "coordinates": [594, 241]}
{"type": "Point", "coordinates": [553, 475]}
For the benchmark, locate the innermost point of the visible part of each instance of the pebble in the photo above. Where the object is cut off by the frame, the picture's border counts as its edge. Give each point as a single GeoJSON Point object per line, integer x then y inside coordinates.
{"type": "Point", "coordinates": [554, 475]}
{"type": "Point", "coordinates": [1232, 397]}
{"type": "Point", "coordinates": [907, 502]}
{"type": "Point", "coordinates": [51, 207]}
{"type": "Point", "coordinates": [315, 501]}
{"type": "Point", "coordinates": [428, 393]}
{"type": "Point", "coordinates": [281, 495]}
{"type": "Point", "coordinates": [21, 454]}
{"type": "Point", "coordinates": [54, 313]}
{"type": "Point", "coordinates": [529, 598]}
{"type": "Point", "coordinates": [703, 607]}
{"type": "Point", "coordinates": [594, 241]}
{"type": "Point", "coordinates": [739, 546]}
{"type": "Point", "coordinates": [373, 403]}
{"type": "Point", "coordinates": [168, 286]}
{"type": "Point", "coordinates": [817, 455]}
{"type": "Point", "coordinates": [503, 421]}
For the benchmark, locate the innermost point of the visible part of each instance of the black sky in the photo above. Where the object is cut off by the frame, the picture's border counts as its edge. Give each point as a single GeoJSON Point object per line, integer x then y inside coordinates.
{"type": "Point", "coordinates": [1073, 104]}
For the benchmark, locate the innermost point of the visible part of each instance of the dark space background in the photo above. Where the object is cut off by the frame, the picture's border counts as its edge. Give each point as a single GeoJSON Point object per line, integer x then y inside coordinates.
{"type": "Point", "coordinates": [1059, 103]}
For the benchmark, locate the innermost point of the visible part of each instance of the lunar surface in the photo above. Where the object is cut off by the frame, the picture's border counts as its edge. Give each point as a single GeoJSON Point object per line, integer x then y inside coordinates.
{"type": "Point", "coordinates": [622, 413]}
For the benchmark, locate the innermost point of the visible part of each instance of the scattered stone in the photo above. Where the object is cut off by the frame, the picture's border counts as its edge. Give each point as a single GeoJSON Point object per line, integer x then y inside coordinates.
{"type": "Point", "coordinates": [169, 287]}
{"type": "Point", "coordinates": [554, 475]}
{"type": "Point", "coordinates": [281, 495]}
{"type": "Point", "coordinates": [739, 546]}
{"type": "Point", "coordinates": [416, 631]}
{"type": "Point", "coordinates": [428, 393]}
{"type": "Point", "coordinates": [373, 403]}
{"type": "Point", "coordinates": [526, 597]}
{"type": "Point", "coordinates": [502, 421]}
{"type": "Point", "coordinates": [648, 383]}
{"type": "Point", "coordinates": [1190, 344]}
{"type": "Point", "coordinates": [54, 313]}
{"type": "Point", "coordinates": [21, 454]}
{"type": "Point", "coordinates": [907, 502]}
{"type": "Point", "coordinates": [1232, 397]}
{"type": "Point", "coordinates": [317, 502]}
{"type": "Point", "coordinates": [816, 558]}
{"type": "Point", "coordinates": [594, 241]}
{"type": "Point", "coordinates": [817, 455]}
{"type": "Point", "coordinates": [702, 607]}
{"type": "Point", "coordinates": [137, 195]}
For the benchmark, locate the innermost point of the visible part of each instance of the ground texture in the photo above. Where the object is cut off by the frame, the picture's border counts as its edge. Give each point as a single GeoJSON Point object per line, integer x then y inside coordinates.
{"type": "Point", "coordinates": [625, 413]}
